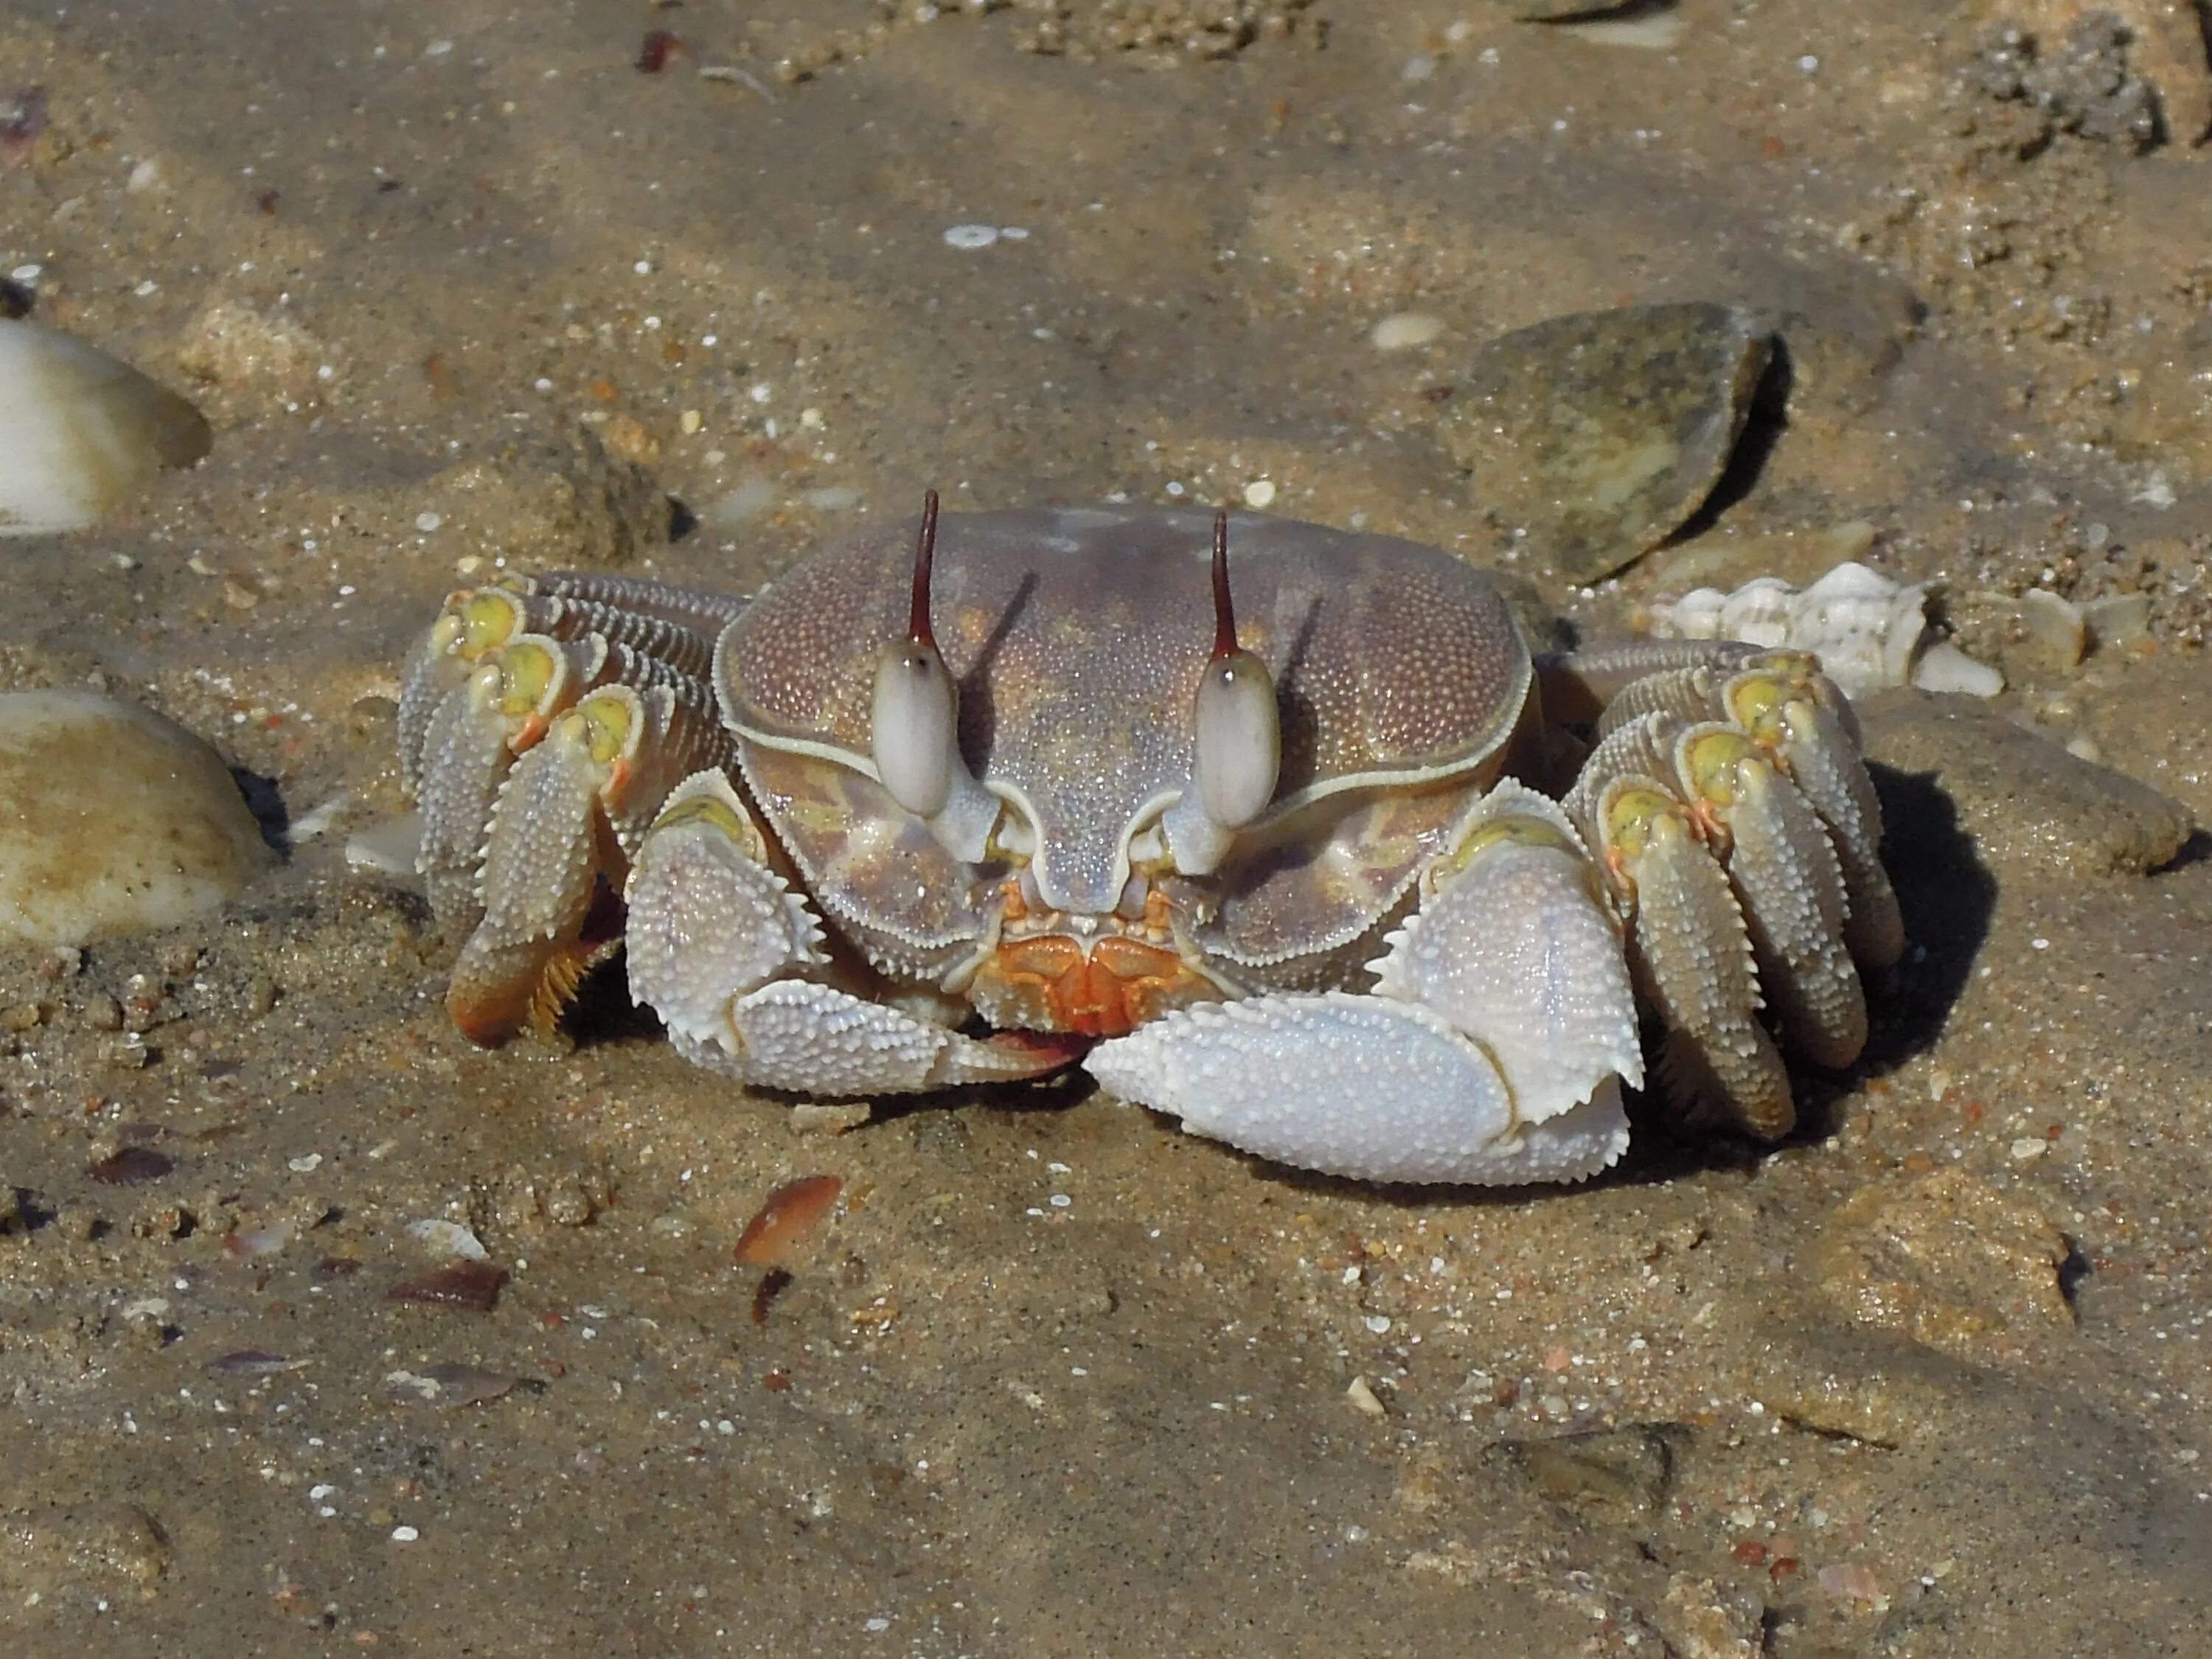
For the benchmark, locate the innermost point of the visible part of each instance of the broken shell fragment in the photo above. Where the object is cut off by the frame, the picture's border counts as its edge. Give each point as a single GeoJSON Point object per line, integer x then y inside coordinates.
{"type": "Point", "coordinates": [113, 820]}
{"type": "Point", "coordinates": [80, 431]}
{"type": "Point", "coordinates": [1598, 435]}
{"type": "Point", "coordinates": [1868, 630]}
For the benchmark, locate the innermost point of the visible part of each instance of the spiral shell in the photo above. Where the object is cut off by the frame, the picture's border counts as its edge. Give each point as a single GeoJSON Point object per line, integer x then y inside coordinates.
{"type": "Point", "coordinates": [1868, 630]}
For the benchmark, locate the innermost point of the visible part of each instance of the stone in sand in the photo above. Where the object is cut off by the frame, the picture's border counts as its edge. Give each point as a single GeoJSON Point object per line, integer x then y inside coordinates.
{"type": "Point", "coordinates": [1599, 433]}
{"type": "Point", "coordinates": [113, 820]}
{"type": "Point", "coordinates": [80, 431]}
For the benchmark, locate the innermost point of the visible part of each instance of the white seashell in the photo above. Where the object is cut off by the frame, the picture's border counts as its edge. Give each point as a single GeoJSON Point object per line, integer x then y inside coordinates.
{"type": "Point", "coordinates": [2057, 626]}
{"type": "Point", "coordinates": [80, 431]}
{"type": "Point", "coordinates": [1868, 630]}
{"type": "Point", "coordinates": [1943, 667]}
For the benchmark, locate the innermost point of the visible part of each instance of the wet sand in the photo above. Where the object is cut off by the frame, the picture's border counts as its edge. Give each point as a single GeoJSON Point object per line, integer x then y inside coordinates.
{"type": "Point", "coordinates": [461, 284]}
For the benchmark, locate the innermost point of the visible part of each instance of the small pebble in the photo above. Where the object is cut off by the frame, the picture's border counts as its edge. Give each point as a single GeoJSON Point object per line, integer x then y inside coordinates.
{"type": "Point", "coordinates": [971, 236]}
{"type": "Point", "coordinates": [1259, 494]}
{"type": "Point", "coordinates": [405, 1535]}
{"type": "Point", "coordinates": [132, 1166]}
{"type": "Point", "coordinates": [1405, 329]}
{"type": "Point", "coordinates": [1363, 1398]}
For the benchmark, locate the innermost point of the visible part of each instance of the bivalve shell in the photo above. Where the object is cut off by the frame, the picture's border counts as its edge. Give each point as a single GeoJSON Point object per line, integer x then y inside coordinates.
{"type": "Point", "coordinates": [80, 431]}
{"type": "Point", "coordinates": [1868, 630]}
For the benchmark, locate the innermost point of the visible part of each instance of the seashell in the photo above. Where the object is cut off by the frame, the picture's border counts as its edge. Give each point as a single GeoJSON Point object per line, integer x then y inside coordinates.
{"type": "Point", "coordinates": [80, 431]}
{"type": "Point", "coordinates": [113, 820]}
{"type": "Point", "coordinates": [1868, 630]}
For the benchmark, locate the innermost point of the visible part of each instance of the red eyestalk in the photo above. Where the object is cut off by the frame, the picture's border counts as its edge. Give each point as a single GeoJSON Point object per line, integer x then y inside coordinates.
{"type": "Point", "coordinates": [925, 553]}
{"type": "Point", "coordinates": [1225, 616]}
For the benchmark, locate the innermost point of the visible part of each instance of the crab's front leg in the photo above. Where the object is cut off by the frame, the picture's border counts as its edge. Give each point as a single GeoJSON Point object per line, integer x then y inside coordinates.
{"type": "Point", "coordinates": [569, 815]}
{"type": "Point", "coordinates": [1491, 1049]}
{"type": "Point", "coordinates": [735, 963]}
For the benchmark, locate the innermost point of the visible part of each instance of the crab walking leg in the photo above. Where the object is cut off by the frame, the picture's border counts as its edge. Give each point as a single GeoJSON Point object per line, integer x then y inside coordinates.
{"type": "Point", "coordinates": [1688, 942]}
{"type": "Point", "coordinates": [477, 623]}
{"type": "Point", "coordinates": [1491, 1050]}
{"type": "Point", "coordinates": [1783, 868]}
{"type": "Point", "coordinates": [472, 737]}
{"type": "Point", "coordinates": [730, 958]}
{"type": "Point", "coordinates": [1776, 701]}
{"type": "Point", "coordinates": [571, 809]}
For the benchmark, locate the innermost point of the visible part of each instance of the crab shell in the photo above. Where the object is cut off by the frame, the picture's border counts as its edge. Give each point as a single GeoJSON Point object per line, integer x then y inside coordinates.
{"type": "Point", "coordinates": [1078, 638]}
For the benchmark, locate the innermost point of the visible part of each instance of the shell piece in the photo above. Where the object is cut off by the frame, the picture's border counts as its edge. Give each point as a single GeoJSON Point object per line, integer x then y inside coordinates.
{"type": "Point", "coordinates": [1868, 630]}
{"type": "Point", "coordinates": [113, 820]}
{"type": "Point", "coordinates": [1598, 433]}
{"type": "Point", "coordinates": [80, 431]}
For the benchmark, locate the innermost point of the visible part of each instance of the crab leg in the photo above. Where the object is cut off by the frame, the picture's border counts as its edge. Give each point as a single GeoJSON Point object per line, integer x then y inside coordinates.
{"type": "Point", "coordinates": [1688, 942]}
{"type": "Point", "coordinates": [1491, 1049]}
{"type": "Point", "coordinates": [477, 624]}
{"type": "Point", "coordinates": [572, 808]}
{"type": "Point", "coordinates": [1783, 868]}
{"type": "Point", "coordinates": [733, 960]}
{"type": "Point", "coordinates": [471, 741]}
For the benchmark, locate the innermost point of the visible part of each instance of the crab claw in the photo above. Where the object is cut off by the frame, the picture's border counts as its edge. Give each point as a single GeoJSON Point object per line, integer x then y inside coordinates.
{"type": "Point", "coordinates": [1492, 1051]}
{"type": "Point", "coordinates": [729, 957]}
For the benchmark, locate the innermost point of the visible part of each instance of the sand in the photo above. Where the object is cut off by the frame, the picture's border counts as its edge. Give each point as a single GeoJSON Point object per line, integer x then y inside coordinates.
{"type": "Point", "coordinates": [461, 283]}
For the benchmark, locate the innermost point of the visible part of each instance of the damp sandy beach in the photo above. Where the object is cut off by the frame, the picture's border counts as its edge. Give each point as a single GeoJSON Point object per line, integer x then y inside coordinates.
{"type": "Point", "coordinates": [322, 1331]}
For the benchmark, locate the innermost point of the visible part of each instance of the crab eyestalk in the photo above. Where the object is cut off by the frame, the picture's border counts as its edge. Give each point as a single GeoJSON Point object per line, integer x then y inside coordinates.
{"type": "Point", "coordinates": [914, 723]}
{"type": "Point", "coordinates": [1237, 739]}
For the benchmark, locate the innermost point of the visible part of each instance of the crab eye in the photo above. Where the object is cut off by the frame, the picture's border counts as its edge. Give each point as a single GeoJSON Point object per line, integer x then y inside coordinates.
{"type": "Point", "coordinates": [1239, 733]}
{"type": "Point", "coordinates": [915, 724]}
{"type": "Point", "coordinates": [915, 727]}
{"type": "Point", "coordinates": [1239, 739]}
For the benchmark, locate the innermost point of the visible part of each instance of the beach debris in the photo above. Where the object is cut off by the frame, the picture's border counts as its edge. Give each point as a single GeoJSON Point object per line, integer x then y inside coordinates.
{"type": "Point", "coordinates": [1597, 435]}
{"type": "Point", "coordinates": [253, 1362]}
{"type": "Point", "coordinates": [80, 431]}
{"type": "Point", "coordinates": [1557, 11]}
{"type": "Point", "coordinates": [655, 50]}
{"type": "Point", "coordinates": [773, 1285]}
{"type": "Point", "coordinates": [789, 1213]}
{"type": "Point", "coordinates": [448, 1238]}
{"type": "Point", "coordinates": [1401, 331]}
{"type": "Point", "coordinates": [132, 1166]}
{"type": "Point", "coordinates": [2056, 630]}
{"type": "Point", "coordinates": [2121, 71]}
{"type": "Point", "coordinates": [23, 119]}
{"type": "Point", "coordinates": [249, 1244]}
{"type": "Point", "coordinates": [465, 1286]}
{"type": "Point", "coordinates": [112, 819]}
{"type": "Point", "coordinates": [448, 1384]}
{"type": "Point", "coordinates": [1868, 629]}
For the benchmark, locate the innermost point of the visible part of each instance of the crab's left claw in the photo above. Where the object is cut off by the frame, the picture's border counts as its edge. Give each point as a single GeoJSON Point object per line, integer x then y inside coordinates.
{"type": "Point", "coordinates": [1490, 1051]}
{"type": "Point", "coordinates": [734, 961]}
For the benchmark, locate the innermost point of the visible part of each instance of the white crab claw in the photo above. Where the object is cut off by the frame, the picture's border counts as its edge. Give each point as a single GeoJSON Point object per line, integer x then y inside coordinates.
{"type": "Point", "coordinates": [1517, 950]}
{"type": "Point", "coordinates": [1354, 1086]}
{"type": "Point", "coordinates": [717, 942]}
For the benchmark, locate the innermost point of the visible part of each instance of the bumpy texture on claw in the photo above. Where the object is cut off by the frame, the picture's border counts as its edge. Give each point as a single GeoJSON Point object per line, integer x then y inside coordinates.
{"type": "Point", "coordinates": [1513, 945]}
{"type": "Point", "coordinates": [723, 951]}
{"type": "Point", "coordinates": [1354, 1086]}
{"type": "Point", "coordinates": [1490, 1051]}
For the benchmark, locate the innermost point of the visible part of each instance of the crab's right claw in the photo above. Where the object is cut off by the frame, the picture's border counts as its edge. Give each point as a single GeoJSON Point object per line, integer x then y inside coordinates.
{"type": "Point", "coordinates": [732, 961]}
{"type": "Point", "coordinates": [1492, 1051]}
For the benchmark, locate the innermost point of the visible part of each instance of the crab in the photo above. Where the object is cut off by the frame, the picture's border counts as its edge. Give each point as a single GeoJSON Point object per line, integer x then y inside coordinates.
{"type": "Point", "coordinates": [1274, 827]}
